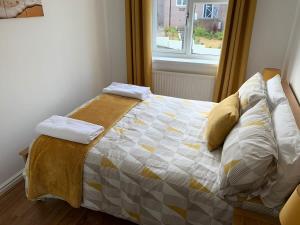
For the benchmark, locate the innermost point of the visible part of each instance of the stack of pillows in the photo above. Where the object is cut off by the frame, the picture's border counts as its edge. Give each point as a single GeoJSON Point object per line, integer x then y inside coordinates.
{"type": "Point", "coordinates": [261, 143]}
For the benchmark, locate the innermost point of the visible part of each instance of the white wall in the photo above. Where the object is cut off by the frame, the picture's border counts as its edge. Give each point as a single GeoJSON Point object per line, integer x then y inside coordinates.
{"type": "Point", "coordinates": [117, 39]}
{"type": "Point", "coordinates": [48, 65]}
{"type": "Point", "coordinates": [271, 34]}
{"type": "Point", "coordinates": [292, 66]}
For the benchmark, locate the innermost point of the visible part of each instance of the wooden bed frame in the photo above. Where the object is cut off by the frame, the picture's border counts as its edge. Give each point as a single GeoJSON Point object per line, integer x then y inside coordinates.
{"type": "Point", "coordinates": [268, 73]}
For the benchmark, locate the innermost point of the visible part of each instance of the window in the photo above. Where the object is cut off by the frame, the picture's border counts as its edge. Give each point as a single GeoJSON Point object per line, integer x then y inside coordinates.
{"type": "Point", "coordinates": [195, 31]}
{"type": "Point", "coordinates": [181, 3]}
{"type": "Point", "coordinates": [210, 11]}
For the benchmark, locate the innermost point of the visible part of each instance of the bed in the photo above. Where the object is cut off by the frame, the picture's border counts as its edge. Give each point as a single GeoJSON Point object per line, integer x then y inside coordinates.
{"type": "Point", "coordinates": [153, 166]}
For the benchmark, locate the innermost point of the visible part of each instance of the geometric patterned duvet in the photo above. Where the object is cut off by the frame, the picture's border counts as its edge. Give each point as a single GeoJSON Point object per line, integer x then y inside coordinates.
{"type": "Point", "coordinates": [153, 167]}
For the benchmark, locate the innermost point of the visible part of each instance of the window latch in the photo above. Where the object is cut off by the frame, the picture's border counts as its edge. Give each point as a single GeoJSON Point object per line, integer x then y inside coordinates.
{"type": "Point", "coordinates": [187, 18]}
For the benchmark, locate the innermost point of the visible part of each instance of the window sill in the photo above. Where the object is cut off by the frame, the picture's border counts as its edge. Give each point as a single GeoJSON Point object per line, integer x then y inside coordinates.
{"type": "Point", "coordinates": [185, 65]}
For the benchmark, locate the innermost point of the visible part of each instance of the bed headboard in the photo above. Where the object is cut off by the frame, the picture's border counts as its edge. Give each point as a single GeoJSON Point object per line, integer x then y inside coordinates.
{"type": "Point", "coordinates": [268, 73]}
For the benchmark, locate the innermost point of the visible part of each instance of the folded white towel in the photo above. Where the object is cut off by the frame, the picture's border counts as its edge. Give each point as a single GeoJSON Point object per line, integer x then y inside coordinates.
{"type": "Point", "coordinates": [69, 129]}
{"type": "Point", "coordinates": [128, 90]}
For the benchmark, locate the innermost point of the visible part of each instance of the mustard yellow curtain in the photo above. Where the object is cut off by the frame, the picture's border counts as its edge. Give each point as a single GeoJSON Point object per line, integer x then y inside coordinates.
{"type": "Point", "coordinates": [138, 41]}
{"type": "Point", "coordinates": [235, 49]}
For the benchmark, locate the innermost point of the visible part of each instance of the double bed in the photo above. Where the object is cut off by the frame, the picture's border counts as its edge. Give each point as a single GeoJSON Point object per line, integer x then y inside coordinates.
{"type": "Point", "coordinates": [153, 167]}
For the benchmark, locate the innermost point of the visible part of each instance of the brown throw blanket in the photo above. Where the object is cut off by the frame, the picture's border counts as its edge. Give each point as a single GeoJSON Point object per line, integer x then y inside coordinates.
{"type": "Point", "coordinates": [56, 166]}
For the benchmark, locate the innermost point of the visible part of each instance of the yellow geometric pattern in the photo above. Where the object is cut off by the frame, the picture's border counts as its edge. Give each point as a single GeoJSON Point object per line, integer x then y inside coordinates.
{"type": "Point", "coordinates": [139, 122]}
{"type": "Point", "coordinates": [171, 115]}
{"type": "Point", "coordinates": [120, 130]}
{"type": "Point", "coordinates": [147, 168]}
{"type": "Point", "coordinates": [179, 211]}
{"type": "Point", "coordinates": [149, 148]}
{"type": "Point", "coordinates": [149, 174]}
{"type": "Point", "coordinates": [106, 163]}
{"type": "Point", "coordinates": [229, 166]}
{"type": "Point", "coordinates": [95, 185]}
{"type": "Point", "coordinates": [194, 184]}
{"type": "Point", "coordinates": [248, 154]}
{"type": "Point", "coordinates": [172, 129]}
{"type": "Point", "coordinates": [258, 123]}
{"type": "Point", "coordinates": [193, 146]}
{"type": "Point", "coordinates": [134, 216]}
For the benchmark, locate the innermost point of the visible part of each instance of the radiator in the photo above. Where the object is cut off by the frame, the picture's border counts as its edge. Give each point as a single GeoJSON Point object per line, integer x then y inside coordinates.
{"type": "Point", "coordinates": [181, 85]}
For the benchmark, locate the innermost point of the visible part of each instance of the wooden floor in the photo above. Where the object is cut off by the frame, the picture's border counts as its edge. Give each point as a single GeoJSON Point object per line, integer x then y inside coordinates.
{"type": "Point", "coordinates": [15, 209]}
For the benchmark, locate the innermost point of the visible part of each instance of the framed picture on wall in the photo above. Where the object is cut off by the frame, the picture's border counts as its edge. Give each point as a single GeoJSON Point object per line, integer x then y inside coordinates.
{"type": "Point", "coordinates": [20, 8]}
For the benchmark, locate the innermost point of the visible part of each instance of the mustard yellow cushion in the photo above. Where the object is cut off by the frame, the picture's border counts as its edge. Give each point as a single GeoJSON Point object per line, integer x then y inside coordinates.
{"type": "Point", "coordinates": [221, 120]}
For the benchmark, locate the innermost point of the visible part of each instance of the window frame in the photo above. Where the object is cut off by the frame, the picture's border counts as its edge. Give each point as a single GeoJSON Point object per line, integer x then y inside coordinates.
{"type": "Point", "coordinates": [186, 52]}
{"type": "Point", "coordinates": [181, 5]}
{"type": "Point", "coordinates": [213, 15]}
{"type": "Point", "coordinates": [205, 9]}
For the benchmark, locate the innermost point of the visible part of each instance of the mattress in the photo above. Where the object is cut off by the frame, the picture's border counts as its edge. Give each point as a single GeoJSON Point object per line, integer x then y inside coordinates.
{"type": "Point", "coordinates": [153, 167]}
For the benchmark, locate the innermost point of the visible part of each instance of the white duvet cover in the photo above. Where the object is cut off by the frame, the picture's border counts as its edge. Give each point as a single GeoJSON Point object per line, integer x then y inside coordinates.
{"type": "Point", "coordinates": [153, 167]}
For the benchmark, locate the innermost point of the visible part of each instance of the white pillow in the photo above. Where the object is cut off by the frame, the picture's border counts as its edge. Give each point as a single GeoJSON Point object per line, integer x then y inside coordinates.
{"type": "Point", "coordinates": [288, 168]}
{"type": "Point", "coordinates": [275, 92]}
{"type": "Point", "coordinates": [249, 154]}
{"type": "Point", "coordinates": [252, 91]}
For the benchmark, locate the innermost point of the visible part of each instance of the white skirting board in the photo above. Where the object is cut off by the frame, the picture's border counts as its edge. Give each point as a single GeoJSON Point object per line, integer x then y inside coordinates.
{"type": "Point", "coordinates": [11, 182]}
